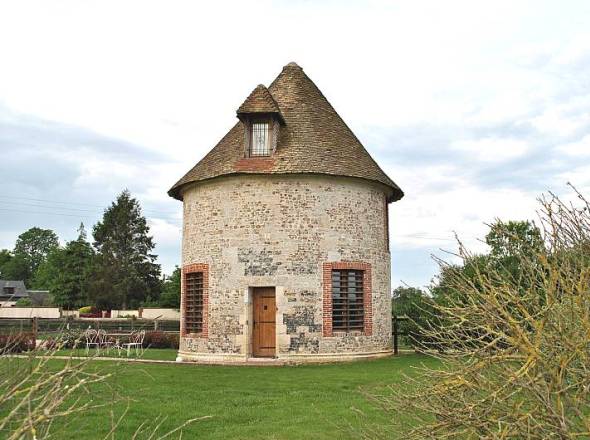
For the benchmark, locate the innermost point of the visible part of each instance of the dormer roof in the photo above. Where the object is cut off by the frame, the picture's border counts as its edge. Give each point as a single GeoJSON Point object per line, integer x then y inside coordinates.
{"type": "Point", "coordinates": [313, 140]}
{"type": "Point", "coordinates": [259, 101]}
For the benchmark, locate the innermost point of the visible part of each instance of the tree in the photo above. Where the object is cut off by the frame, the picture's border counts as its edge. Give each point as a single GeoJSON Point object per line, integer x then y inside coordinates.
{"type": "Point", "coordinates": [518, 364]}
{"type": "Point", "coordinates": [5, 257]}
{"type": "Point", "coordinates": [445, 289]}
{"type": "Point", "coordinates": [171, 290]}
{"type": "Point", "coordinates": [13, 267]}
{"type": "Point", "coordinates": [66, 270]}
{"type": "Point", "coordinates": [24, 302]}
{"type": "Point", "coordinates": [123, 273]}
{"type": "Point", "coordinates": [30, 251]}
{"type": "Point", "coordinates": [407, 301]}
{"type": "Point", "coordinates": [50, 270]}
{"type": "Point", "coordinates": [509, 241]}
{"type": "Point", "coordinates": [416, 305]}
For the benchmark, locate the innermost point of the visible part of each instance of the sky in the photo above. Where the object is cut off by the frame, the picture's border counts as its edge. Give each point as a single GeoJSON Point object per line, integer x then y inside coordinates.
{"type": "Point", "coordinates": [474, 108]}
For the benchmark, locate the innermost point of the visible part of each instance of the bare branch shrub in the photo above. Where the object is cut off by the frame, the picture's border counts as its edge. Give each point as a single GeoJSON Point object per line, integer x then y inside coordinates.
{"type": "Point", "coordinates": [40, 396]}
{"type": "Point", "coordinates": [514, 349]}
{"type": "Point", "coordinates": [34, 393]}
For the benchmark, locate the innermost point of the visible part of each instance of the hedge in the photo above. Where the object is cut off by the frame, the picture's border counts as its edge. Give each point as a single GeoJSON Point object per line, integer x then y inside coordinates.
{"type": "Point", "coordinates": [17, 343]}
{"type": "Point", "coordinates": [159, 339]}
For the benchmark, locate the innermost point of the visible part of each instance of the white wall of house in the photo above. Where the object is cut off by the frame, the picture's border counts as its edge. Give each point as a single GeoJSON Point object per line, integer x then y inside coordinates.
{"type": "Point", "coordinates": [30, 312]}
{"type": "Point", "coordinates": [164, 314]}
{"type": "Point", "coordinates": [124, 313]}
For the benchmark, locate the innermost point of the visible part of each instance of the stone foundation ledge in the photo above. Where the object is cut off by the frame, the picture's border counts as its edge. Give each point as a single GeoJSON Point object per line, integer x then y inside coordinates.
{"type": "Point", "coordinates": [291, 359]}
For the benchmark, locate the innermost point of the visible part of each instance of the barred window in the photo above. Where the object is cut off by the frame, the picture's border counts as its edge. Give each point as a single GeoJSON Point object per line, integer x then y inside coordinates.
{"type": "Point", "coordinates": [348, 307]}
{"type": "Point", "coordinates": [260, 142]}
{"type": "Point", "coordinates": [193, 311]}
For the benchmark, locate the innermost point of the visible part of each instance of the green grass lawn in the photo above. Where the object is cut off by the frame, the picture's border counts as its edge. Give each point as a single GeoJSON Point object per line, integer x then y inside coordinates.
{"type": "Point", "coordinates": [291, 402]}
{"type": "Point", "coordinates": [164, 354]}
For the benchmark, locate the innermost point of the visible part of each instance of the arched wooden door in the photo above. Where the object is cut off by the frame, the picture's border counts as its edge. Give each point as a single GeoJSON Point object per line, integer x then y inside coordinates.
{"type": "Point", "coordinates": [264, 320]}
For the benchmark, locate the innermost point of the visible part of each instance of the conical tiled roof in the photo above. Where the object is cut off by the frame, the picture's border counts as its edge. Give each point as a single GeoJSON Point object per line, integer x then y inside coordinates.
{"type": "Point", "coordinates": [313, 140]}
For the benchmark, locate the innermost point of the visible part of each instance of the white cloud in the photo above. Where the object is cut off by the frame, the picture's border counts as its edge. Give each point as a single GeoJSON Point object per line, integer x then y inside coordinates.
{"type": "Point", "coordinates": [579, 148]}
{"type": "Point", "coordinates": [579, 177]}
{"type": "Point", "coordinates": [492, 149]}
{"type": "Point", "coordinates": [432, 219]}
{"type": "Point", "coordinates": [555, 122]}
{"type": "Point", "coordinates": [500, 86]}
{"type": "Point", "coordinates": [164, 232]}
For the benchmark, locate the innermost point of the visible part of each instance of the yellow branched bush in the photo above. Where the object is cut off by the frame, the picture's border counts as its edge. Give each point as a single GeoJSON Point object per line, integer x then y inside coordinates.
{"type": "Point", "coordinates": [514, 345]}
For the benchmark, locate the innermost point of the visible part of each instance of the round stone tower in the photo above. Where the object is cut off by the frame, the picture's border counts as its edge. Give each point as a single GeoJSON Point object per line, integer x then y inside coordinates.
{"type": "Point", "coordinates": [285, 251]}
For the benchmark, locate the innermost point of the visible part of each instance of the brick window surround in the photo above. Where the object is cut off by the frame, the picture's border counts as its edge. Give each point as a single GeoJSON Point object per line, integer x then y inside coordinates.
{"type": "Point", "coordinates": [327, 295]}
{"type": "Point", "coordinates": [204, 269]}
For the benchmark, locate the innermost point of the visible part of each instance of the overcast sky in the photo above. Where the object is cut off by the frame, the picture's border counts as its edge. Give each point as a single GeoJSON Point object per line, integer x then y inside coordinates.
{"type": "Point", "coordinates": [474, 108]}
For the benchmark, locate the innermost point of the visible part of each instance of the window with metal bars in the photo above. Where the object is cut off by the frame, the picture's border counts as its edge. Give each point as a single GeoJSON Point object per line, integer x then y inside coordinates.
{"type": "Point", "coordinates": [260, 139]}
{"type": "Point", "coordinates": [193, 308]}
{"type": "Point", "coordinates": [348, 306]}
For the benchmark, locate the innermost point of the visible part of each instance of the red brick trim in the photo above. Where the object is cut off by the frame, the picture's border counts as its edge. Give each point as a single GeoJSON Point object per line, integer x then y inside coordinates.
{"type": "Point", "coordinates": [254, 164]}
{"type": "Point", "coordinates": [327, 296]}
{"type": "Point", "coordinates": [190, 268]}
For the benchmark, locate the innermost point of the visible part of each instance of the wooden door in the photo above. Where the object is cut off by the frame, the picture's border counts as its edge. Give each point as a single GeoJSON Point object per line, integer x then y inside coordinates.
{"type": "Point", "coordinates": [264, 330]}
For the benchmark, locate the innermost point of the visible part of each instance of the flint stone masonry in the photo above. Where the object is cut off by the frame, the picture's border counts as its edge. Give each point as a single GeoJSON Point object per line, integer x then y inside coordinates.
{"type": "Point", "coordinates": [301, 316]}
{"type": "Point", "coordinates": [279, 231]}
{"type": "Point", "coordinates": [259, 263]}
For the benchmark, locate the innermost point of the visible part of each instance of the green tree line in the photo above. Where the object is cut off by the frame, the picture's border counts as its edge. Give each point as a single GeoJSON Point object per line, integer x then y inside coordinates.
{"type": "Point", "coordinates": [509, 243]}
{"type": "Point", "coordinates": [118, 270]}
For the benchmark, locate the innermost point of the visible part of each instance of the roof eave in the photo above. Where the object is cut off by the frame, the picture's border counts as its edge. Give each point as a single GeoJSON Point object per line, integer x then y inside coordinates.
{"type": "Point", "coordinates": [397, 194]}
{"type": "Point", "coordinates": [243, 116]}
{"type": "Point", "coordinates": [176, 191]}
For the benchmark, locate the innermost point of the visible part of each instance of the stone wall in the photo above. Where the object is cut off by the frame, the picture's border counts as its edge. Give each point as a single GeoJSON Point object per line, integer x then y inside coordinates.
{"type": "Point", "coordinates": [279, 231]}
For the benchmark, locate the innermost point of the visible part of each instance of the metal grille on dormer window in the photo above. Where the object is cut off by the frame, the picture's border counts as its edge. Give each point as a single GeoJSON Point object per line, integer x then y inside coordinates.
{"type": "Point", "coordinates": [193, 312]}
{"type": "Point", "coordinates": [348, 306]}
{"type": "Point", "coordinates": [260, 144]}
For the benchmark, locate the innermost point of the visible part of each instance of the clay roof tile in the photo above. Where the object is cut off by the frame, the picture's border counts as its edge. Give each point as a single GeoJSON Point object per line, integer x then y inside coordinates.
{"type": "Point", "coordinates": [314, 139]}
{"type": "Point", "coordinates": [259, 101]}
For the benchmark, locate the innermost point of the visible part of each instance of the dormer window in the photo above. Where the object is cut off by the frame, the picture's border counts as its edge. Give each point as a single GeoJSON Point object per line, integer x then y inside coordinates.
{"type": "Point", "coordinates": [260, 143]}
{"type": "Point", "coordinates": [261, 118]}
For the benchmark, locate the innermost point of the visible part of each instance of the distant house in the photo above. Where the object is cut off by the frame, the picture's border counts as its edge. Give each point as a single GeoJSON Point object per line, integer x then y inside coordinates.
{"type": "Point", "coordinates": [11, 291]}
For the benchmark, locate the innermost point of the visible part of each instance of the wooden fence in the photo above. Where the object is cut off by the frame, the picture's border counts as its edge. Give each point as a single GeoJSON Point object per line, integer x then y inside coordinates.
{"type": "Point", "coordinates": [55, 326]}
{"type": "Point", "coordinates": [40, 326]}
